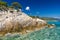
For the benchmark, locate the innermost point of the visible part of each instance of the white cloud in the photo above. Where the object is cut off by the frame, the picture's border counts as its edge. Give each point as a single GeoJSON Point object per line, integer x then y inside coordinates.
{"type": "Point", "coordinates": [27, 8]}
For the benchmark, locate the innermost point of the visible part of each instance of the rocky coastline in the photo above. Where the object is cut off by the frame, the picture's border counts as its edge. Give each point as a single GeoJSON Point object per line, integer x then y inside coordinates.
{"type": "Point", "coordinates": [19, 22]}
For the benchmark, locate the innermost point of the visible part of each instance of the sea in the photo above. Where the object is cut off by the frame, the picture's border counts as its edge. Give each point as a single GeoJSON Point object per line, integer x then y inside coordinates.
{"type": "Point", "coordinates": [43, 34]}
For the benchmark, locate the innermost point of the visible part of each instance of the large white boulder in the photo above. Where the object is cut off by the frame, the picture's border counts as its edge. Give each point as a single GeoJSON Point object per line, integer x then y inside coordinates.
{"type": "Point", "coordinates": [10, 20]}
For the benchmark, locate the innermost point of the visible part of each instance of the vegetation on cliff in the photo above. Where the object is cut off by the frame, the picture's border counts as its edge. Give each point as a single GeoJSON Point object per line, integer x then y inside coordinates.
{"type": "Point", "coordinates": [5, 6]}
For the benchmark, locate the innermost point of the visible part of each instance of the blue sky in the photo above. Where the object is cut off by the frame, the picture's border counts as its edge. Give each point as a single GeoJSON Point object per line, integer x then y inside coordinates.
{"type": "Point", "coordinates": [42, 8]}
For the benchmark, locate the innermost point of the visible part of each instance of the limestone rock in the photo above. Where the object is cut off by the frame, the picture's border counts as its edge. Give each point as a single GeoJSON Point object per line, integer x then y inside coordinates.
{"type": "Point", "coordinates": [9, 21]}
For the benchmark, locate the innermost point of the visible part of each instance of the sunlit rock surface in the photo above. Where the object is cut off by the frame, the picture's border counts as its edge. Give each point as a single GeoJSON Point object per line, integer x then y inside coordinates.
{"type": "Point", "coordinates": [9, 20]}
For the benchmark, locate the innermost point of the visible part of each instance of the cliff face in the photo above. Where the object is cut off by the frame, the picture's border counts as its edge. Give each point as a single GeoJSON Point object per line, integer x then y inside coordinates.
{"type": "Point", "coordinates": [17, 21]}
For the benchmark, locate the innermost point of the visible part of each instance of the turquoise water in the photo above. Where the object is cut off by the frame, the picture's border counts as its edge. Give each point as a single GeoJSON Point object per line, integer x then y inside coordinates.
{"type": "Point", "coordinates": [44, 34]}
{"type": "Point", "coordinates": [57, 23]}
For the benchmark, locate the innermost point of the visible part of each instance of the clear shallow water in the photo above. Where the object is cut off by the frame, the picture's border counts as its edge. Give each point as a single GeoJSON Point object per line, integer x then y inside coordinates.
{"type": "Point", "coordinates": [44, 34]}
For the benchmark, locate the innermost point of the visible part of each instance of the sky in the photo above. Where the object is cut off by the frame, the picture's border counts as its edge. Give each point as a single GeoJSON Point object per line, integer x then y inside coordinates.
{"type": "Point", "coordinates": [42, 8]}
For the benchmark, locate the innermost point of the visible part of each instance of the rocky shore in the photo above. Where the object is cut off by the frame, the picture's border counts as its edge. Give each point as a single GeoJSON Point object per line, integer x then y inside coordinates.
{"type": "Point", "coordinates": [11, 22]}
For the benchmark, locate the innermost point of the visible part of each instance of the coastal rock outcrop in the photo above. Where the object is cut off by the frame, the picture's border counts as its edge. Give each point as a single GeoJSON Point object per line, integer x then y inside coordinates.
{"type": "Point", "coordinates": [17, 21]}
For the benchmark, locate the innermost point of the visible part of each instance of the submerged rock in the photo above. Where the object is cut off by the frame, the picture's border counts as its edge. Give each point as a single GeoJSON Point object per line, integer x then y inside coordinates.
{"type": "Point", "coordinates": [51, 25]}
